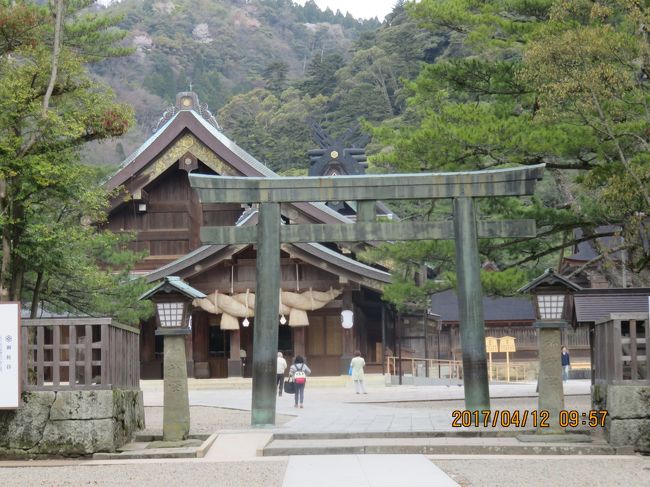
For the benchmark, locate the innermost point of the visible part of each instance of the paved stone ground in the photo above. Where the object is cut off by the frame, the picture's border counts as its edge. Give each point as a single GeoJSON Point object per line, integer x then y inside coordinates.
{"type": "Point", "coordinates": [570, 471]}
{"type": "Point", "coordinates": [335, 408]}
{"type": "Point", "coordinates": [579, 403]}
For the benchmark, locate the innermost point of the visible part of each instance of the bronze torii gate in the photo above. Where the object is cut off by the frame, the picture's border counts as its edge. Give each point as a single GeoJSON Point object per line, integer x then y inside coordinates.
{"type": "Point", "coordinates": [461, 187]}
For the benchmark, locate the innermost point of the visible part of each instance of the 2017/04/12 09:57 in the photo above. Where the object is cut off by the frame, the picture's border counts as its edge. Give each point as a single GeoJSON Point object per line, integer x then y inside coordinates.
{"type": "Point", "coordinates": [521, 419]}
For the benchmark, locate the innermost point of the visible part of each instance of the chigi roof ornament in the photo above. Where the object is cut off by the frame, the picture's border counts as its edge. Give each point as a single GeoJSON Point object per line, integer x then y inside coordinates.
{"type": "Point", "coordinates": [187, 100]}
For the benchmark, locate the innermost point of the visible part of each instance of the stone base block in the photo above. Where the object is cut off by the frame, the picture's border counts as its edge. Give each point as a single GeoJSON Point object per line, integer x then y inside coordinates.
{"type": "Point", "coordinates": [80, 437]}
{"type": "Point", "coordinates": [630, 432]}
{"type": "Point", "coordinates": [23, 428]}
{"type": "Point", "coordinates": [628, 401]}
{"type": "Point", "coordinates": [71, 422]}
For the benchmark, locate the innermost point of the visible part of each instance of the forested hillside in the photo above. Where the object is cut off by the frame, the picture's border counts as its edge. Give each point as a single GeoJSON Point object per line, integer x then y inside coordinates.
{"type": "Point", "coordinates": [440, 85]}
{"type": "Point", "coordinates": [220, 49]}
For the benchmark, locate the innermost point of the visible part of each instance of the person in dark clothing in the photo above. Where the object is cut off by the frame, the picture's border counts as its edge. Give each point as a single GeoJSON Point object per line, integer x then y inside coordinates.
{"type": "Point", "coordinates": [566, 364]}
{"type": "Point", "coordinates": [298, 373]}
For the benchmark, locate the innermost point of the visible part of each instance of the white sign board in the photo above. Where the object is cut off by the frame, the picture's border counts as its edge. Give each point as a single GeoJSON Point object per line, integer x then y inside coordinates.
{"type": "Point", "coordinates": [9, 355]}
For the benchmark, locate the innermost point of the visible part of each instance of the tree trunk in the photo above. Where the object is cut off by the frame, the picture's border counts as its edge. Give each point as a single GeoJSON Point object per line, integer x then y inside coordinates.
{"type": "Point", "coordinates": [6, 248]}
{"type": "Point", "coordinates": [35, 295]}
{"type": "Point", "coordinates": [17, 274]}
{"type": "Point", "coordinates": [56, 51]}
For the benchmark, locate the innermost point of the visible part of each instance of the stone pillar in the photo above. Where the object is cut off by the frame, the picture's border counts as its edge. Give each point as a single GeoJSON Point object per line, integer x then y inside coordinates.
{"type": "Point", "coordinates": [470, 303]}
{"type": "Point", "coordinates": [551, 393]}
{"type": "Point", "coordinates": [176, 410]}
{"type": "Point", "coordinates": [234, 361]}
{"type": "Point", "coordinates": [189, 352]}
{"type": "Point", "coordinates": [267, 307]}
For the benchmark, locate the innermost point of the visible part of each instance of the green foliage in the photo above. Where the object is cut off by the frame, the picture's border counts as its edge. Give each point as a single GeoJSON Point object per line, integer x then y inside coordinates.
{"type": "Point", "coordinates": [336, 92]}
{"type": "Point", "coordinates": [48, 254]}
{"type": "Point", "coordinates": [275, 127]}
{"type": "Point", "coordinates": [554, 82]}
{"type": "Point", "coordinates": [275, 76]}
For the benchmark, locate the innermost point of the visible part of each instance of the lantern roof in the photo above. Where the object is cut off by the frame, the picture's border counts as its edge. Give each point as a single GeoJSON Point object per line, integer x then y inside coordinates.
{"type": "Point", "coordinates": [549, 278]}
{"type": "Point", "coordinates": [174, 284]}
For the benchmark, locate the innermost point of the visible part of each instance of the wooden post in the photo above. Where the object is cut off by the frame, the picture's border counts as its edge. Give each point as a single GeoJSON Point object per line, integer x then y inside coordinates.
{"type": "Point", "coordinates": [507, 366]}
{"type": "Point", "coordinates": [490, 363]}
{"type": "Point", "coordinates": [234, 361]}
{"type": "Point", "coordinates": [366, 210]}
{"type": "Point", "coordinates": [299, 341]}
{"type": "Point", "coordinates": [383, 340]}
{"type": "Point", "coordinates": [470, 301]}
{"type": "Point", "coordinates": [347, 335]}
{"type": "Point", "coordinates": [633, 363]}
{"type": "Point", "coordinates": [265, 334]}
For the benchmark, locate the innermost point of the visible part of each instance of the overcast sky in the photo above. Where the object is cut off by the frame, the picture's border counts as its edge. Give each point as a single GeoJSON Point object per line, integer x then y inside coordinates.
{"type": "Point", "coordinates": [364, 9]}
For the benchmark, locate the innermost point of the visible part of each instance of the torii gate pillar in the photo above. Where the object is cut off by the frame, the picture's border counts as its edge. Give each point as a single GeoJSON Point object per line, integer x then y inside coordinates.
{"type": "Point", "coordinates": [470, 303]}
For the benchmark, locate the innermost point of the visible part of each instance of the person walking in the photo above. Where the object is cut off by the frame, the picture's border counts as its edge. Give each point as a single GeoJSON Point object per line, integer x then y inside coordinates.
{"type": "Point", "coordinates": [298, 373]}
{"type": "Point", "coordinates": [566, 364]}
{"type": "Point", "coordinates": [281, 367]}
{"type": "Point", "coordinates": [357, 364]}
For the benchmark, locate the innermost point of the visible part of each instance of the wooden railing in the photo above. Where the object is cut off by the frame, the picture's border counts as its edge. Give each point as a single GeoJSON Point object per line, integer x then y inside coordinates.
{"type": "Point", "coordinates": [620, 349]}
{"type": "Point", "coordinates": [519, 371]}
{"type": "Point", "coordinates": [441, 369]}
{"type": "Point", "coordinates": [526, 337]}
{"type": "Point", "coordinates": [513, 371]}
{"type": "Point", "coordinates": [79, 354]}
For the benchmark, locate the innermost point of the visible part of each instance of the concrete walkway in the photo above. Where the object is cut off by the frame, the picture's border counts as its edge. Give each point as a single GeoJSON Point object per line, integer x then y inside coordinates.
{"type": "Point", "coordinates": [364, 471]}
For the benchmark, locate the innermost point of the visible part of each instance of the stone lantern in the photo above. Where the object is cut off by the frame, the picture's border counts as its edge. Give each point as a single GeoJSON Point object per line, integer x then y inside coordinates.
{"type": "Point", "coordinates": [173, 298]}
{"type": "Point", "coordinates": [553, 302]}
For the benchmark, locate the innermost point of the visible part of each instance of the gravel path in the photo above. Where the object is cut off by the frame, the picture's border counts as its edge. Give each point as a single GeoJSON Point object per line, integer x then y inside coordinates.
{"type": "Point", "coordinates": [542, 472]}
{"type": "Point", "coordinates": [194, 474]}
{"type": "Point", "coordinates": [206, 419]}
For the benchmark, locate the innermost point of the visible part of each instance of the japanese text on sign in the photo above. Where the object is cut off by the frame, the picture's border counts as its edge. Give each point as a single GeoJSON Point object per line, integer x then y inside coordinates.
{"type": "Point", "coordinates": [9, 357]}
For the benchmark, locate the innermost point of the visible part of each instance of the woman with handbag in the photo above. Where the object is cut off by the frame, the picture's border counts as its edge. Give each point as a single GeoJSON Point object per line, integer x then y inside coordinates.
{"type": "Point", "coordinates": [298, 373]}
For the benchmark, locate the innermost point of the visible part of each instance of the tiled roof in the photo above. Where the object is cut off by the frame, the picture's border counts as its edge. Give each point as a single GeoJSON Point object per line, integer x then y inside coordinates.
{"type": "Point", "coordinates": [593, 305]}
{"type": "Point", "coordinates": [177, 284]}
{"type": "Point", "coordinates": [445, 304]}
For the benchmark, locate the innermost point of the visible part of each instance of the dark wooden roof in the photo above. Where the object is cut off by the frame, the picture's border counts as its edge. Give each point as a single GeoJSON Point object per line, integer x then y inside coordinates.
{"type": "Point", "coordinates": [549, 277]}
{"type": "Point", "coordinates": [593, 305]}
{"type": "Point", "coordinates": [495, 309]}
{"type": "Point", "coordinates": [585, 251]}
{"type": "Point", "coordinates": [206, 256]}
{"type": "Point", "coordinates": [189, 121]}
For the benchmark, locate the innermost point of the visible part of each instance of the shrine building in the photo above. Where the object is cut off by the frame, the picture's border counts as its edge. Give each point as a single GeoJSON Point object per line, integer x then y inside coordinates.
{"type": "Point", "coordinates": [318, 281]}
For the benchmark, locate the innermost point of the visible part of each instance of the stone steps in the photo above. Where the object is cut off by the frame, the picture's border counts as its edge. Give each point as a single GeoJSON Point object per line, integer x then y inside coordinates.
{"type": "Point", "coordinates": [443, 443]}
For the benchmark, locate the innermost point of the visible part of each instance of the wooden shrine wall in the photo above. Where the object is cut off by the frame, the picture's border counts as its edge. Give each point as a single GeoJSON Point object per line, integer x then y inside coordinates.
{"type": "Point", "coordinates": [241, 269]}
{"type": "Point", "coordinates": [169, 228]}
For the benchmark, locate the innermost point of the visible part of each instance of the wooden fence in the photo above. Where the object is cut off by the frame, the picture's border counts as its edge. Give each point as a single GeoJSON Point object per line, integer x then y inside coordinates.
{"type": "Point", "coordinates": [453, 369]}
{"type": "Point", "coordinates": [620, 349]}
{"type": "Point", "coordinates": [526, 337]}
{"type": "Point", "coordinates": [79, 354]}
{"type": "Point", "coordinates": [441, 369]}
